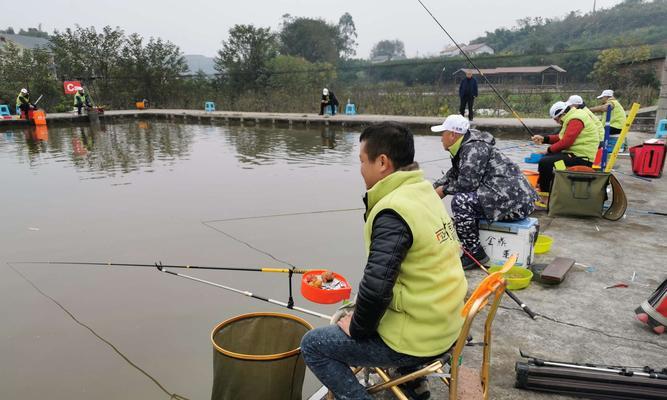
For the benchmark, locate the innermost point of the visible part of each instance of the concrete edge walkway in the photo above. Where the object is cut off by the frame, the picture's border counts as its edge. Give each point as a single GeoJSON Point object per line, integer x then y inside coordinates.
{"type": "Point", "coordinates": [510, 126]}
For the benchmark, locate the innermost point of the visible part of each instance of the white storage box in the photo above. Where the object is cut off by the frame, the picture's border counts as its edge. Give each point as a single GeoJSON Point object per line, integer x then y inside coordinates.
{"type": "Point", "coordinates": [502, 239]}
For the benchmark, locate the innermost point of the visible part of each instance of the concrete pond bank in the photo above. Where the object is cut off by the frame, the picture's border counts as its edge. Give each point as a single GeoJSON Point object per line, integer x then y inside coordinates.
{"type": "Point", "coordinates": [580, 320]}
{"type": "Point", "coordinates": [497, 126]}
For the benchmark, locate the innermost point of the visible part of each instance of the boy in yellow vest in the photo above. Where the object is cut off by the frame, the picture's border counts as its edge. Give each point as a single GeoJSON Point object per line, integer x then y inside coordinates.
{"type": "Point", "coordinates": [408, 307]}
{"type": "Point", "coordinates": [575, 144]}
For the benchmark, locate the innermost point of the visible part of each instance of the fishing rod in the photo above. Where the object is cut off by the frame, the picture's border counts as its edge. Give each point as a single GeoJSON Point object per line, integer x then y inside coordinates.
{"type": "Point", "coordinates": [38, 99]}
{"type": "Point", "coordinates": [110, 264]}
{"type": "Point", "coordinates": [664, 214]}
{"type": "Point", "coordinates": [521, 304]}
{"type": "Point", "coordinates": [477, 68]}
{"type": "Point", "coordinates": [161, 268]}
{"type": "Point", "coordinates": [641, 178]}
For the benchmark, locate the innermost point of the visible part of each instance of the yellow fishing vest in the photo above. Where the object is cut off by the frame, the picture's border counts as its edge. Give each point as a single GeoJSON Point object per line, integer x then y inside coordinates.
{"type": "Point", "coordinates": [22, 99]}
{"type": "Point", "coordinates": [617, 115]}
{"type": "Point", "coordinates": [599, 124]}
{"type": "Point", "coordinates": [424, 317]}
{"type": "Point", "coordinates": [586, 144]}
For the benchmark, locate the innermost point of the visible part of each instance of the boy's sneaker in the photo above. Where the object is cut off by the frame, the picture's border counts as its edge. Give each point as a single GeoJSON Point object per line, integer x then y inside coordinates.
{"type": "Point", "coordinates": [479, 255]}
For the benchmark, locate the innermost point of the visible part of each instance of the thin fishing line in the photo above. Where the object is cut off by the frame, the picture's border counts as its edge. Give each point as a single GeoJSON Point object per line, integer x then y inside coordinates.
{"type": "Point", "coordinates": [97, 335]}
{"type": "Point", "coordinates": [475, 66]}
{"type": "Point", "coordinates": [596, 330]}
{"type": "Point", "coordinates": [283, 215]}
{"type": "Point", "coordinates": [437, 159]}
{"type": "Point", "coordinates": [330, 211]}
{"type": "Point", "coordinates": [641, 178]}
{"type": "Point", "coordinates": [266, 253]}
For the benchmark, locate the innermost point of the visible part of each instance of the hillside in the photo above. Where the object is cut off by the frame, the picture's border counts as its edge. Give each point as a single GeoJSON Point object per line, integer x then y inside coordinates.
{"type": "Point", "coordinates": [198, 62]}
{"type": "Point", "coordinates": [630, 22]}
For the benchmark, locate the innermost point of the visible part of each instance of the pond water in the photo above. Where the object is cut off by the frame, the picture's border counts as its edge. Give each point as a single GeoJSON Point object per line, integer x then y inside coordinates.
{"type": "Point", "coordinates": [143, 192]}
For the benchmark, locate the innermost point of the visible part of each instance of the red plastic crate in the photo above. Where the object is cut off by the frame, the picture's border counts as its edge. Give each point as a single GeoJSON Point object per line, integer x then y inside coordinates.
{"type": "Point", "coordinates": [648, 159]}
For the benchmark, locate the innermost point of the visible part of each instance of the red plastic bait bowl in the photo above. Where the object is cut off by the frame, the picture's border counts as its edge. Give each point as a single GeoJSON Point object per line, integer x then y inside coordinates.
{"type": "Point", "coordinates": [324, 296]}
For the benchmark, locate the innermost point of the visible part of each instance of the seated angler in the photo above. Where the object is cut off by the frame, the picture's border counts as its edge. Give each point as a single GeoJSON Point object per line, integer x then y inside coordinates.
{"type": "Point", "coordinates": [575, 144]}
{"type": "Point", "coordinates": [617, 112]}
{"type": "Point", "coordinates": [81, 99]}
{"type": "Point", "coordinates": [482, 182]}
{"type": "Point", "coordinates": [410, 298]}
{"type": "Point", "coordinates": [577, 102]}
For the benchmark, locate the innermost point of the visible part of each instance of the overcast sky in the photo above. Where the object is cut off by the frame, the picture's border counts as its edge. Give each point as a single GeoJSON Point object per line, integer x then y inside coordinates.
{"type": "Point", "coordinates": [198, 27]}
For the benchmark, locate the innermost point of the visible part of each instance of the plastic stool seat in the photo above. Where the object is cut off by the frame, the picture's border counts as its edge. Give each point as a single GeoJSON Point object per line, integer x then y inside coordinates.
{"type": "Point", "coordinates": [661, 131]}
{"type": "Point", "coordinates": [209, 106]}
{"type": "Point", "coordinates": [4, 110]}
{"type": "Point", "coordinates": [350, 109]}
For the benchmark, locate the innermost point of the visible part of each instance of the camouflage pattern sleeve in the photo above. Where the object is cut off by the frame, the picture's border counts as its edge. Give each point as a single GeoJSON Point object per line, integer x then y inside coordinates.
{"type": "Point", "coordinates": [473, 166]}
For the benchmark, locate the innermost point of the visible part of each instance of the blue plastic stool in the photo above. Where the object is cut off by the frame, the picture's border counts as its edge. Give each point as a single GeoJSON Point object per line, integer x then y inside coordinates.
{"type": "Point", "coordinates": [350, 109]}
{"type": "Point", "coordinates": [327, 110]}
{"type": "Point", "coordinates": [4, 110]}
{"type": "Point", "coordinates": [611, 144]}
{"type": "Point", "coordinates": [661, 131]}
{"type": "Point", "coordinates": [18, 110]}
{"type": "Point", "coordinates": [209, 106]}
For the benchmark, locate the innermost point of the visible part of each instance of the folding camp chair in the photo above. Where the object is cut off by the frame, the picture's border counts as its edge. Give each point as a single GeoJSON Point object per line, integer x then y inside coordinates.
{"type": "Point", "coordinates": [491, 288]}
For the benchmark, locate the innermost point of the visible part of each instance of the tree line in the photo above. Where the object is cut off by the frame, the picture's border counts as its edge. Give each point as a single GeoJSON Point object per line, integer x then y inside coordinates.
{"type": "Point", "coordinates": [636, 21]}
{"type": "Point", "coordinates": [262, 69]}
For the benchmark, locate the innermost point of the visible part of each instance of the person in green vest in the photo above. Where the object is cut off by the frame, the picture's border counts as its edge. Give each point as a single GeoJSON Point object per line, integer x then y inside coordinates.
{"type": "Point", "coordinates": [23, 102]}
{"type": "Point", "coordinates": [408, 308]}
{"type": "Point", "coordinates": [81, 99]}
{"type": "Point", "coordinates": [576, 101]}
{"type": "Point", "coordinates": [575, 144]}
{"type": "Point", "coordinates": [617, 112]}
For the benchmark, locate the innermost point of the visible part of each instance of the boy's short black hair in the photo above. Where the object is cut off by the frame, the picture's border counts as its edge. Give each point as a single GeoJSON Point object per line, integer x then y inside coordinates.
{"type": "Point", "coordinates": [392, 139]}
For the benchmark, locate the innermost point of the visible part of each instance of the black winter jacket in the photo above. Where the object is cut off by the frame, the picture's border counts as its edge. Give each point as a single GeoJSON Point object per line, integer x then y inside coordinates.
{"type": "Point", "coordinates": [468, 88]}
{"type": "Point", "coordinates": [391, 239]}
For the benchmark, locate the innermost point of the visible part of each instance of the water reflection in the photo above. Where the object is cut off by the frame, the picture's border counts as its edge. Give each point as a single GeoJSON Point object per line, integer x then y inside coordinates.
{"type": "Point", "coordinates": [100, 150]}
{"type": "Point", "coordinates": [266, 146]}
{"type": "Point", "coordinates": [36, 139]}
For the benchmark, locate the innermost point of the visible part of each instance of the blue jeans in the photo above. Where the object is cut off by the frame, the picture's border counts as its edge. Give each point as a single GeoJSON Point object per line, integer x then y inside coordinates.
{"type": "Point", "coordinates": [330, 353]}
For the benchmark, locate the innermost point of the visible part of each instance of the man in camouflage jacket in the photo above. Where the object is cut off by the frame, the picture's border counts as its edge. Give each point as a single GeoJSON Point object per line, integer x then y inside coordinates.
{"type": "Point", "coordinates": [483, 183]}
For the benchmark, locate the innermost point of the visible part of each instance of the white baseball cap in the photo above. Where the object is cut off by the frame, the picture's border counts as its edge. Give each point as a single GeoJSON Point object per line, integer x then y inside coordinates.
{"type": "Point", "coordinates": [325, 91]}
{"type": "Point", "coordinates": [606, 93]}
{"type": "Point", "coordinates": [24, 90]}
{"type": "Point", "coordinates": [454, 123]}
{"type": "Point", "coordinates": [575, 100]}
{"type": "Point", "coordinates": [557, 109]}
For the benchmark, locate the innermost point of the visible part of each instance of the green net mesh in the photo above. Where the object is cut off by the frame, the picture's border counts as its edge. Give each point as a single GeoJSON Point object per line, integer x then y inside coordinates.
{"type": "Point", "coordinates": [267, 363]}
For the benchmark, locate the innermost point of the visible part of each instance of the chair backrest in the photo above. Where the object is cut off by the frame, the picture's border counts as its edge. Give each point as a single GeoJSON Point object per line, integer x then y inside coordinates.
{"type": "Point", "coordinates": [492, 287]}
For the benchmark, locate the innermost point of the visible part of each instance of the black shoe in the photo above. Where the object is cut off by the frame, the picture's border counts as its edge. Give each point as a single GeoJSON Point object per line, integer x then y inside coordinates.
{"type": "Point", "coordinates": [416, 389]}
{"type": "Point", "coordinates": [479, 255]}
